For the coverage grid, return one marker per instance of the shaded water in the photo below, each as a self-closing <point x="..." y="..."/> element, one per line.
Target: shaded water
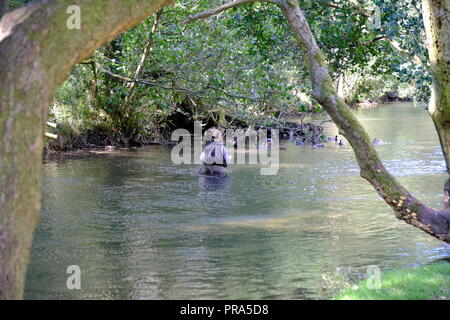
<point x="141" y="228"/>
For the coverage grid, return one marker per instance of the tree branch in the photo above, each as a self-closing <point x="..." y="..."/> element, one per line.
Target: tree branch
<point x="220" y="9"/>
<point x="197" y="94"/>
<point x="145" y="82"/>
<point x="147" y="49"/>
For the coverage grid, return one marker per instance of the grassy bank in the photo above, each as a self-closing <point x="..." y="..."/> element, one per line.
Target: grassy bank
<point x="428" y="282"/>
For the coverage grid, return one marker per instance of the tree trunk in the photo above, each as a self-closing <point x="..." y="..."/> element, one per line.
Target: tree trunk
<point x="37" y="51"/>
<point x="436" y="15"/>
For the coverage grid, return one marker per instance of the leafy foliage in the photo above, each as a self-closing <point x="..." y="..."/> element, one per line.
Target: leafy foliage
<point x="243" y="64"/>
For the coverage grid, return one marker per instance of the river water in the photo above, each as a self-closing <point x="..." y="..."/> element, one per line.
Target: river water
<point x="140" y="227"/>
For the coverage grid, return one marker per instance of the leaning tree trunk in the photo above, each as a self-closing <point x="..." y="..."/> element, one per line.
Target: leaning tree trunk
<point x="406" y="206"/>
<point x="37" y="51"/>
<point x="436" y="15"/>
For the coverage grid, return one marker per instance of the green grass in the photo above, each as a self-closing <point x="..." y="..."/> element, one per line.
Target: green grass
<point x="428" y="282"/>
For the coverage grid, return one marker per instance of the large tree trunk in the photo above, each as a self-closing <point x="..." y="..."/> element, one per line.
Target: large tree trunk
<point x="436" y="15"/>
<point x="37" y="51"/>
<point x="406" y="206"/>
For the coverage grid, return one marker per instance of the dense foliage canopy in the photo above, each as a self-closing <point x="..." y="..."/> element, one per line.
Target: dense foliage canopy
<point x="243" y="66"/>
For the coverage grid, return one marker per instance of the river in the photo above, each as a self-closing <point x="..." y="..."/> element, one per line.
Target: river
<point x="140" y="227"/>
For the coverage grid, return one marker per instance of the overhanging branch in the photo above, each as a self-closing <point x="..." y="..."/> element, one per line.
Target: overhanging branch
<point x="220" y="9"/>
<point x="197" y="94"/>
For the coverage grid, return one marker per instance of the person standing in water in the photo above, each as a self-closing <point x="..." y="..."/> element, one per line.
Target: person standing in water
<point x="215" y="155"/>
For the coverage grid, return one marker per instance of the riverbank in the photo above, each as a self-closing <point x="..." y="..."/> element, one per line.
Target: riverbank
<point x="65" y="139"/>
<point x="388" y="97"/>
<point x="430" y="282"/>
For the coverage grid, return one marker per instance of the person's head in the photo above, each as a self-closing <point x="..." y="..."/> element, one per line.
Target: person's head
<point x="216" y="135"/>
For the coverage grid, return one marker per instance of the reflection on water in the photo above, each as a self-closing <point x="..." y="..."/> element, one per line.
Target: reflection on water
<point x="141" y="228"/>
<point x="214" y="183"/>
